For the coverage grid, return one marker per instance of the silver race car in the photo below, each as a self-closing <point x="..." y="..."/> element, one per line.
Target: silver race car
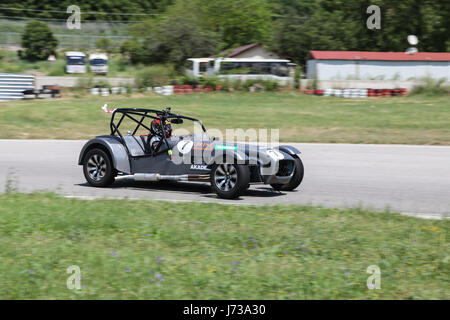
<point x="161" y="155"/>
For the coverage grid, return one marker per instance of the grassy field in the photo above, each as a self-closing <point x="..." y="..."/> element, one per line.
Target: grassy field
<point x="302" y="118"/>
<point x="10" y="63"/>
<point x="159" y="250"/>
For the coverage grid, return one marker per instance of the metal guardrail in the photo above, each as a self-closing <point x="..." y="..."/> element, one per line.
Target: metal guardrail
<point x="12" y="85"/>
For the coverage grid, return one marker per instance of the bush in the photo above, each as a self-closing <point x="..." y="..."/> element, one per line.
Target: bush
<point x="105" y="44"/>
<point x="186" y="79"/>
<point x="270" y="85"/>
<point x="132" y="50"/>
<point x="210" y="82"/>
<point x="236" y="84"/>
<point x="154" y="76"/>
<point x="38" y="41"/>
<point x="297" y="76"/>
<point x="431" y="87"/>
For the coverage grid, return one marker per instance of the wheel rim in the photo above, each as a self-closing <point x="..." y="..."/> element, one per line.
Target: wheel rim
<point x="96" y="167"/>
<point x="225" y="177"/>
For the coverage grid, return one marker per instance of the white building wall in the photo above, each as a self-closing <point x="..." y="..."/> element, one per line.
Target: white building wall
<point x="311" y="69"/>
<point x="377" y="70"/>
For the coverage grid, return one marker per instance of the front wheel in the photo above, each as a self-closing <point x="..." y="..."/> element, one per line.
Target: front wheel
<point x="97" y="168"/>
<point x="295" y="180"/>
<point x="229" y="180"/>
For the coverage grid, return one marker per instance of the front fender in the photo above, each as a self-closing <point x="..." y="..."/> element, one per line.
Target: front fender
<point x="290" y="150"/>
<point x="116" y="150"/>
<point x="228" y="156"/>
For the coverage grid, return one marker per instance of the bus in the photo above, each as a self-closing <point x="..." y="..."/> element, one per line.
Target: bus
<point x="241" y="68"/>
<point x="98" y="63"/>
<point x="75" y="62"/>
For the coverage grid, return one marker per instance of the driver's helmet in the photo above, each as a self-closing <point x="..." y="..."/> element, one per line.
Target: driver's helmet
<point x="156" y="129"/>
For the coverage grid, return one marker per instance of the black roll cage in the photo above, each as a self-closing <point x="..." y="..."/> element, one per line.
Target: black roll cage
<point x="144" y="114"/>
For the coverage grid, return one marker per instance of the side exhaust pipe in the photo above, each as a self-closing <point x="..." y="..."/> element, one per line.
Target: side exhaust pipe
<point x="182" y="177"/>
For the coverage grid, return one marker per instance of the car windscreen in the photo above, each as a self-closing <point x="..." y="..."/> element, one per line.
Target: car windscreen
<point x="98" y="62"/>
<point x="75" y="60"/>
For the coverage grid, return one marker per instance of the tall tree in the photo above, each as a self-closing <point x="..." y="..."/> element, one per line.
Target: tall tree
<point x="38" y="41"/>
<point x="175" y="36"/>
<point x="238" y="22"/>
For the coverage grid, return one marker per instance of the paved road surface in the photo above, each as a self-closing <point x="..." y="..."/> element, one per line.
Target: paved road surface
<point x="408" y="179"/>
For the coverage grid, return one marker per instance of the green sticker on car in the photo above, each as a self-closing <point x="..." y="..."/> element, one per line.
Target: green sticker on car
<point x="222" y="147"/>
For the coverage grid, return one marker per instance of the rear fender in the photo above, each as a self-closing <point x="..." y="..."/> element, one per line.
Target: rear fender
<point x="117" y="151"/>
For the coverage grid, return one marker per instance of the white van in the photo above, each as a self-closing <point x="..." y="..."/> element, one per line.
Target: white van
<point x="75" y="62"/>
<point x="98" y="63"/>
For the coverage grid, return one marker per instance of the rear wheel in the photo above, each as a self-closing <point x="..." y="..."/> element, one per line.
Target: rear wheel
<point x="229" y="180"/>
<point x="98" y="169"/>
<point x="295" y="180"/>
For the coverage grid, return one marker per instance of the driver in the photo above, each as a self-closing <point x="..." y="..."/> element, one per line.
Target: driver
<point x="157" y="133"/>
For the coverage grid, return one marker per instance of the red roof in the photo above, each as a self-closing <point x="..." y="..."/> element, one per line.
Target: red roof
<point x="390" y="56"/>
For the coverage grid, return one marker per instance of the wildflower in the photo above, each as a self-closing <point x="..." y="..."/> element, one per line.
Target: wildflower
<point x="148" y="235"/>
<point x="127" y="270"/>
<point x="114" y="253"/>
<point x="244" y="244"/>
<point x="346" y="273"/>
<point x="84" y="287"/>
<point x="31" y="271"/>
<point x="158" y="259"/>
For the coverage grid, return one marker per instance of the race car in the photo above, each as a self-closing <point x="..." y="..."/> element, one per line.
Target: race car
<point x="159" y="154"/>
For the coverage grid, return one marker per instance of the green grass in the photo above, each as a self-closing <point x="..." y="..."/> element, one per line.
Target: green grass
<point x="212" y="251"/>
<point x="302" y="118"/>
<point x="10" y="63"/>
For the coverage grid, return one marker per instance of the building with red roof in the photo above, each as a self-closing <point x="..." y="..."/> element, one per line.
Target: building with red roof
<point x="366" y="65"/>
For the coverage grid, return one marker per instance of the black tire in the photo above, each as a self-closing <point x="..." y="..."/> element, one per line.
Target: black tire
<point x="229" y="180"/>
<point x="295" y="180"/>
<point x="98" y="169"/>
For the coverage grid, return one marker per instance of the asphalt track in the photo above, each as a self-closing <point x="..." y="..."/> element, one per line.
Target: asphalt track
<point x="413" y="180"/>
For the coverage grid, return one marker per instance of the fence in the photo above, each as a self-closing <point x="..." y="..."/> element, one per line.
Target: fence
<point x="12" y="85"/>
<point x="85" y="38"/>
<point x="73" y="41"/>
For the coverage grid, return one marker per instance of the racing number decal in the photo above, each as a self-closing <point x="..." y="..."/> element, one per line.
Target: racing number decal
<point x="184" y="146"/>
